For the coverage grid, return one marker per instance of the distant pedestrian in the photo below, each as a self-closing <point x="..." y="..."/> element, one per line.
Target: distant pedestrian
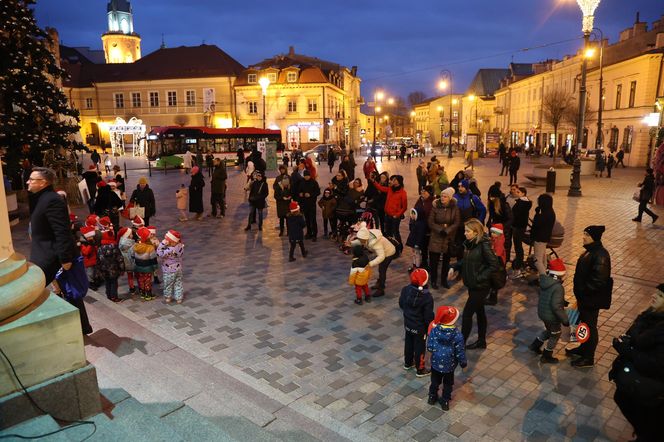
<point x="218" y="189"/>
<point x="360" y="272"/>
<point x="126" y="245"/>
<point x="620" y="156"/>
<point x="328" y="205"/>
<point x="551" y="310"/>
<point x="283" y="195"/>
<point x="95" y="158"/>
<point x="295" y="224"/>
<point x="144" y="197"/>
<point x="385" y="252"/>
<point x="497" y="238"/>
<point x="416" y="303"/>
<point x="308" y="191"/>
<point x="195" y="193"/>
<point x="514" y="165"/>
<point x="447" y="347"/>
<point x="258" y="192"/>
<point x="645" y="195"/>
<point x="209" y="162"/>
<point x="600" y="163"/>
<point x="521" y="213"/>
<point x="610" y="162"/>
<point x="181" y="198"/>
<point x="187" y="160"/>
<point x="331" y="158"/>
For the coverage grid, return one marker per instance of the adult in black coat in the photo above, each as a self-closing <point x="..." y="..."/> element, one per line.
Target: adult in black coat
<point x="592" y="288"/>
<point x="144" y="197"/>
<point x="52" y="243"/>
<point x="645" y="195"/>
<point x="540" y="232"/>
<point x="91" y="177"/>
<point x="296" y="179"/>
<point x="196" y="192"/>
<point x="347" y="167"/>
<point x="218" y="188"/>
<point x="331" y="158"/>
<point x="641" y="358"/>
<point x="514" y="165"/>
<point x="108" y="203"/>
<point x="258" y="191"/>
<point x="307" y="193"/>
<point x="520" y="212"/>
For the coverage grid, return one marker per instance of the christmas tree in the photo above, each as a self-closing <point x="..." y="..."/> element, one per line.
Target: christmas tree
<point x="34" y="113"/>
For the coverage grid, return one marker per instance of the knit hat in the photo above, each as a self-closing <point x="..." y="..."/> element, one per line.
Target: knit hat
<point x="465" y="183"/>
<point x="595" y="232"/>
<point x="107" y="237"/>
<point x="513" y="153"/>
<point x="419" y="278"/>
<point x="446" y="315"/>
<point x="91" y="220"/>
<point x="125" y="232"/>
<point x="494" y="192"/>
<point x="142" y="180"/>
<point x="152" y="229"/>
<point x="143" y="233"/>
<point x="497" y="229"/>
<point x="101" y="183"/>
<point x="294" y="206"/>
<point x="194" y="170"/>
<point x="449" y="192"/>
<point x="105" y="222"/>
<point x="137" y="222"/>
<point x="556" y="267"/>
<point x="363" y="233"/>
<point x="173" y="235"/>
<point x="88" y="232"/>
<point x="92" y="167"/>
<point x="428" y="188"/>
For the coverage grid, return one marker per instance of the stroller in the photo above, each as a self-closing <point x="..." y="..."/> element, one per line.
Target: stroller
<point x="366" y="219"/>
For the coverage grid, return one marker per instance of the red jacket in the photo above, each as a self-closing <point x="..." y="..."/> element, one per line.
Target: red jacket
<point x="369" y="166"/>
<point x="498" y="246"/>
<point x="89" y="253"/>
<point x="396" y="203"/>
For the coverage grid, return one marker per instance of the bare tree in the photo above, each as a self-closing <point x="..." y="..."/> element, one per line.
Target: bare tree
<point x="571" y="115"/>
<point x="181" y="120"/>
<point x="554" y="108"/>
<point x="416" y="97"/>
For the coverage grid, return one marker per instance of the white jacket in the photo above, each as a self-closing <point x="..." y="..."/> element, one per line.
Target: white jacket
<point x="380" y="245"/>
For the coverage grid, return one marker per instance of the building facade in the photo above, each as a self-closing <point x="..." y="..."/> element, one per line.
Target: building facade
<point x="632" y="80"/>
<point x="311" y="101"/>
<point x="431" y="119"/>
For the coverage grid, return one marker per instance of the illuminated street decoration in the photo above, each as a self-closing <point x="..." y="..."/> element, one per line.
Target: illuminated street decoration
<point x="135" y="128"/>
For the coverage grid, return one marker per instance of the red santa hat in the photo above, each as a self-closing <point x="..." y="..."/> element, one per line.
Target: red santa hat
<point x="556" y="267"/>
<point x="72" y="218"/>
<point x="419" y="278"/>
<point x="105" y="223"/>
<point x="173" y="235"/>
<point x="446" y="315"/>
<point x="92" y="167"/>
<point x="152" y="229"/>
<point x="497" y="229"/>
<point x="143" y="233"/>
<point x="294" y="206"/>
<point x="91" y="220"/>
<point x="125" y="232"/>
<point x="137" y="222"/>
<point x="101" y="183"/>
<point x="88" y="232"/>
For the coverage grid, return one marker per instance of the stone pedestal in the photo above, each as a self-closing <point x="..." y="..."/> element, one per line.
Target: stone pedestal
<point x="45" y="346"/>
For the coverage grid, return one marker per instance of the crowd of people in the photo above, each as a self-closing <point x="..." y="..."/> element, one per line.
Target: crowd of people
<point x="453" y="234"/>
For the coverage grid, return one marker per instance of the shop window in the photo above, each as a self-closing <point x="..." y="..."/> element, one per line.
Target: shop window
<point x="313" y="134"/>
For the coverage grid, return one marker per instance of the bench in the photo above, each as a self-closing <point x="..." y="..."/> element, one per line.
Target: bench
<point x="537" y="180"/>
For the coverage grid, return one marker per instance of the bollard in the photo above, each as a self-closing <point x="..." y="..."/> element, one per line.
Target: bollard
<point x="551" y="181"/>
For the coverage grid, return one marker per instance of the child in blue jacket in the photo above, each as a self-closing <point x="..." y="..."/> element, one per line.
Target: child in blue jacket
<point x="448" y="350"/>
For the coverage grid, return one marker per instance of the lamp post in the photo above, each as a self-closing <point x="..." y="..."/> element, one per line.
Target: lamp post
<point x="599" y="142"/>
<point x="588" y="9"/>
<point x="264" y="82"/>
<point x="441" y="115"/>
<point x="378" y="96"/>
<point x="446" y="80"/>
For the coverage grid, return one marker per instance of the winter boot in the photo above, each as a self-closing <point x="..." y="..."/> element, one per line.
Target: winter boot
<point x="547" y="357"/>
<point x="432" y="400"/>
<point x="445" y="405"/>
<point x="536" y="346"/>
<point x="378" y="293"/>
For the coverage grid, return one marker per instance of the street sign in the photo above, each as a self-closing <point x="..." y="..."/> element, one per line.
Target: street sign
<point x="582" y="332"/>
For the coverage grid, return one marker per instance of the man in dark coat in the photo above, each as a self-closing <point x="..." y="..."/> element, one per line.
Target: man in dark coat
<point x="91" y="177"/>
<point x="308" y="191"/>
<point x="259" y="162"/>
<point x="95" y="158"/>
<point x="218" y="189"/>
<point x="592" y="288"/>
<point x="144" y="197"/>
<point x="645" y="195"/>
<point x="52" y="244"/>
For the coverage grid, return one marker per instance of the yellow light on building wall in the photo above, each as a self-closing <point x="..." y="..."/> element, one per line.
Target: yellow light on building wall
<point x="440" y="108"/>
<point x="455" y="101"/>
<point x="223" y="123"/>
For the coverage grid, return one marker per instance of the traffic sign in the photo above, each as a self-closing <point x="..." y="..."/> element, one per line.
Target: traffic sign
<point x="582" y="332"/>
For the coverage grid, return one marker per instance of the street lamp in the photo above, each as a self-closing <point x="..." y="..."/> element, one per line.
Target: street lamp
<point x="588" y="8"/>
<point x="378" y="96"/>
<point x="599" y="142"/>
<point x="445" y="81"/>
<point x="264" y="82"/>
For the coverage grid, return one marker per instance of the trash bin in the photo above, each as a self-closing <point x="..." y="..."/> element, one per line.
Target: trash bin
<point x="551" y="181"/>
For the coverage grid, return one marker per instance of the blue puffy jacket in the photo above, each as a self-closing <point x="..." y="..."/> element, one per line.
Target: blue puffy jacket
<point x="447" y="348"/>
<point x="470" y="206"/>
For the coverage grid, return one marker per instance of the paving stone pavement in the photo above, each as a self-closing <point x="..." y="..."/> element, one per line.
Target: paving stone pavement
<point x="292" y="331"/>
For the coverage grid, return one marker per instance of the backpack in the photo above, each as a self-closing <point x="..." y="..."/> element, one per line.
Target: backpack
<point x="498" y="276"/>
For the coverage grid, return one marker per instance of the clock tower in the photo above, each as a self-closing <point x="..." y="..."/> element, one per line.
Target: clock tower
<point x="121" y="43"/>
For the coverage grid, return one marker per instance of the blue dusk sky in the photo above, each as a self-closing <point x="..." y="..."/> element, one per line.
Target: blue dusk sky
<point x="399" y="46"/>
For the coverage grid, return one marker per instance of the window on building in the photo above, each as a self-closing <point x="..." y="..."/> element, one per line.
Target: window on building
<point x="618" y="95"/>
<point x="252" y="78"/>
<point x="88" y="103"/>
<point x="632" y="93"/>
<point x="119" y="100"/>
<point x="272" y="76"/>
<point x="313" y="134"/>
<point x="313" y="105"/>
<point x="291" y="77"/>
<point x="190" y="98"/>
<point x="154" y="99"/>
<point x="292" y="106"/>
<point x="172" y="97"/>
<point x="252" y="107"/>
<point x="135" y="99"/>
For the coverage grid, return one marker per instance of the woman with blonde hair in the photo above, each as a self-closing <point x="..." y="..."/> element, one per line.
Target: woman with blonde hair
<point x="479" y="261"/>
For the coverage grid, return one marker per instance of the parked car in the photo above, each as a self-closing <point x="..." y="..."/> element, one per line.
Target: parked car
<point x="320" y="151"/>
